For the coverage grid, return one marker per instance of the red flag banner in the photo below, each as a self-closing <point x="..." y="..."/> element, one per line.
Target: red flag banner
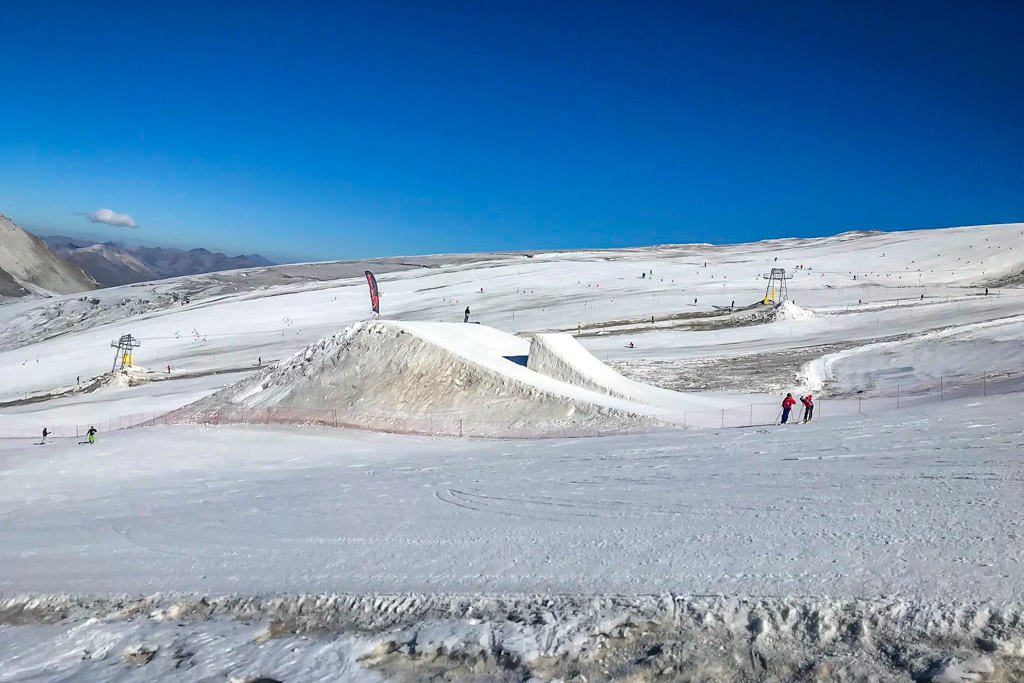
<point x="374" y="294"/>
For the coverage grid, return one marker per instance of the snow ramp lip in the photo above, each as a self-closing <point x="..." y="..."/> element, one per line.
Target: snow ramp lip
<point x="562" y="357"/>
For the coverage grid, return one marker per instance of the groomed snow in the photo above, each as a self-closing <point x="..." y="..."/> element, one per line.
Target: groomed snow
<point x="922" y="502"/>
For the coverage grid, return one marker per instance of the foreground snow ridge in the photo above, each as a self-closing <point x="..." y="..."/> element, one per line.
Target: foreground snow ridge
<point x="458" y="379"/>
<point x="412" y="637"/>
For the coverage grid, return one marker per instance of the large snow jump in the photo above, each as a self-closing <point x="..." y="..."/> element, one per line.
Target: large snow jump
<point x="442" y="378"/>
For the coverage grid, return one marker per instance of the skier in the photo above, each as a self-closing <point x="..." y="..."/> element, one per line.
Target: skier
<point x="92" y="434"/>
<point x="45" y="434"/>
<point x="466" y="318"/>
<point x="733" y="304"/>
<point x="259" y="361"/>
<point x="630" y="344"/>
<point x="787" y="405"/>
<point x="643" y="276"/>
<point x="808" y="407"/>
<point x="168" y="369"/>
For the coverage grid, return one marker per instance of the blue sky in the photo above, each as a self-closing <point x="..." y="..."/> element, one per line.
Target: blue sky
<point x="336" y="130"/>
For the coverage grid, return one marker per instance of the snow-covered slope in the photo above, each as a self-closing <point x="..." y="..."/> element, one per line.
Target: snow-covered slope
<point x="28" y="266"/>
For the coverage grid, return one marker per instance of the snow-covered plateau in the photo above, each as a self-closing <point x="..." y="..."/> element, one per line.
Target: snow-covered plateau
<point x="591" y="484"/>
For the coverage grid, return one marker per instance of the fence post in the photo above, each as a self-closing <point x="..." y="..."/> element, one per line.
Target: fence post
<point x="723" y="418"/>
<point x="460" y="428"/>
<point x="941" y="397"/>
<point x="984" y="384"/>
<point x="750" y="422"/>
<point x="860" y="399"/>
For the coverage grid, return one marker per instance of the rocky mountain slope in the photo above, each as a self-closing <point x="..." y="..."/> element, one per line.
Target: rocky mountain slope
<point x="113" y="263"/>
<point x="29" y="267"/>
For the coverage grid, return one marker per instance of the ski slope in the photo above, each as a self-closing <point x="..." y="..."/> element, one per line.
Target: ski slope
<point x="806" y="533"/>
<point x="316" y="553"/>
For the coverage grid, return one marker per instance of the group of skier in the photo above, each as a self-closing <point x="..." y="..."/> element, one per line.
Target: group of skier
<point x="788" y="403"/>
<point x="91" y="434"/>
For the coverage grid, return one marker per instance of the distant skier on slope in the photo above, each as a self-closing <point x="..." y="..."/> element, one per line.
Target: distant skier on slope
<point x="631" y="345"/>
<point x="45" y="434"/>
<point x="808" y="407"/>
<point x="787" y="405"/>
<point x="465" y="319"/>
<point x="91" y="434"/>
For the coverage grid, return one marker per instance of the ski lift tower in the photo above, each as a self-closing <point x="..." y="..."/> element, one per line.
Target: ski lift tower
<point x="124" y="347"/>
<point x="776" y="292"/>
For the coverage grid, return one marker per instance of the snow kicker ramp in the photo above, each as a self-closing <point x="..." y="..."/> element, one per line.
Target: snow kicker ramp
<point x="561" y="357"/>
<point x="431" y="378"/>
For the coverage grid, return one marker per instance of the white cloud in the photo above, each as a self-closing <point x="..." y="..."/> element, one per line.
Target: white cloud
<point x="113" y="218"/>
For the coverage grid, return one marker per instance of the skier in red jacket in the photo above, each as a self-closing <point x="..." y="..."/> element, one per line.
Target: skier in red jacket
<point x="787" y="405"/>
<point x="808" y="407"/>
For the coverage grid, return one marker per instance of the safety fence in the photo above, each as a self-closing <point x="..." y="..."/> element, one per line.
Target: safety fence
<point x="425" y="424"/>
<point x="876" y="402"/>
<point x="78" y="431"/>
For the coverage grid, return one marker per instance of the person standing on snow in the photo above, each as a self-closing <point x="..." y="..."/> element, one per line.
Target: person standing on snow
<point x="91" y="434"/>
<point x="787" y="405"/>
<point x="466" y="318"/>
<point x="45" y="434"/>
<point x="808" y="407"/>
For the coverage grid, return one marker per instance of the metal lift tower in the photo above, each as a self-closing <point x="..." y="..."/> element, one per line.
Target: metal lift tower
<point x="124" y="347"/>
<point x="776" y="292"/>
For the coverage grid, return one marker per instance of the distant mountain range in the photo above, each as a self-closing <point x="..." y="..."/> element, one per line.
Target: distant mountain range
<point x="114" y="263"/>
<point x="30" y="268"/>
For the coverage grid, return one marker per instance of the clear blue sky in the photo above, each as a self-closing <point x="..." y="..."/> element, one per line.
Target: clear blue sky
<point x="305" y="131"/>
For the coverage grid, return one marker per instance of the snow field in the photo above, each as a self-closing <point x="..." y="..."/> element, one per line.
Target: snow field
<point x="956" y="354"/>
<point x="921" y="503"/>
<point x="551" y="291"/>
<point x="882" y="546"/>
<point x="828" y="546"/>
